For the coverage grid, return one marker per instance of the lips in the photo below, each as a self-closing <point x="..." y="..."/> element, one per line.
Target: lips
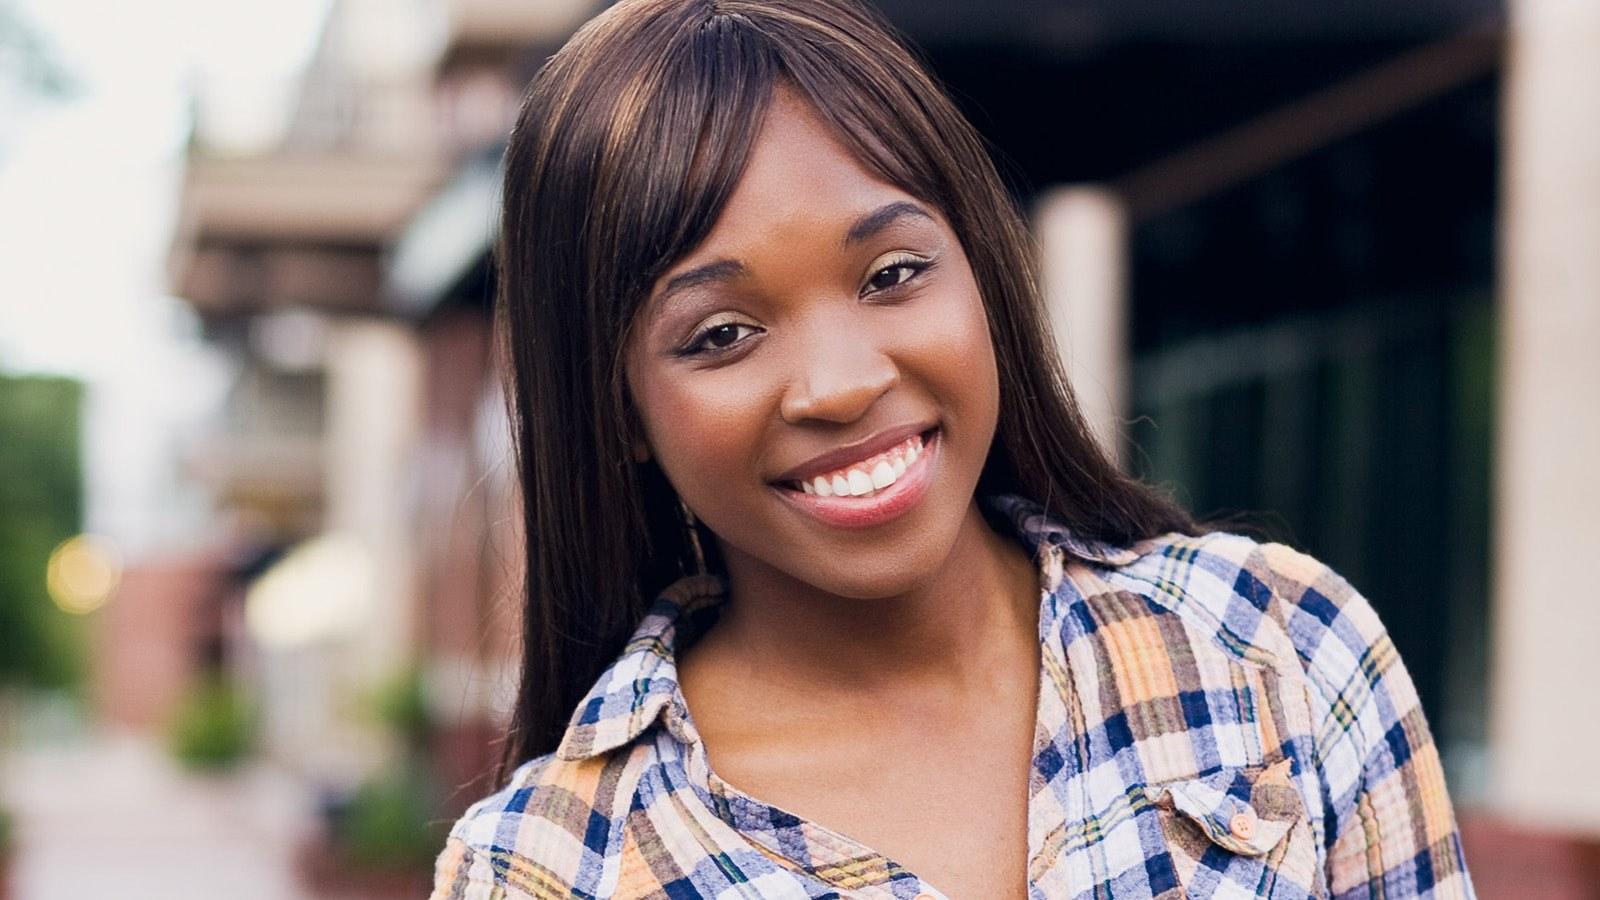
<point x="878" y="488"/>
<point x="856" y="452"/>
<point x="864" y="477"/>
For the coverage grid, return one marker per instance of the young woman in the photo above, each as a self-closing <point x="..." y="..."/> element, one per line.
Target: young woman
<point x="829" y="590"/>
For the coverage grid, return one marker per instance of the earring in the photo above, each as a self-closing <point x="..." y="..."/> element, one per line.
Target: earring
<point x="694" y="537"/>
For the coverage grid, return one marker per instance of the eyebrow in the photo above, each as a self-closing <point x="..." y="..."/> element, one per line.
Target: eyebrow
<point x="881" y="218"/>
<point x="862" y="228"/>
<point x="720" y="270"/>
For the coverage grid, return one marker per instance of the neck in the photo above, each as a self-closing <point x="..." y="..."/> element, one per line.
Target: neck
<point x="980" y="606"/>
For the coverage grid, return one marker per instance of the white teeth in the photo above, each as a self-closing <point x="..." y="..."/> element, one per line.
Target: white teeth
<point x="859" y="482"/>
<point x="882" y="475"/>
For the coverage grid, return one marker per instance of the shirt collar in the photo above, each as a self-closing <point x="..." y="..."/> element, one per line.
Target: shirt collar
<point x="1040" y="532"/>
<point x="631" y="694"/>
<point x="642" y="683"/>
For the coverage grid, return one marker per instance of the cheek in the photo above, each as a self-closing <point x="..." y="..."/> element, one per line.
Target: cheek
<point x="703" y="430"/>
<point x="950" y="349"/>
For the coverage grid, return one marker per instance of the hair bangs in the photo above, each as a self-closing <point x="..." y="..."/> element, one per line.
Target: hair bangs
<point x="681" y="144"/>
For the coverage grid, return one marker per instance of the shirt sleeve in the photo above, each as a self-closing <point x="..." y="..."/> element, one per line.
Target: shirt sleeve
<point x="1390" y="831"/>
<point x="462" y="873"/>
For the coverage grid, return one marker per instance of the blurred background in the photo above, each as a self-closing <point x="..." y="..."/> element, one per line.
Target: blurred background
<point x="1327" y="271"/>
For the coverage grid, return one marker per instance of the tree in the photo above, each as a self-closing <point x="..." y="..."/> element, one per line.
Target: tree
<point x="41" y="505"/>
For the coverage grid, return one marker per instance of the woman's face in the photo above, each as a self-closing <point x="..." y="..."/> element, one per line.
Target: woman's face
<point x="816" y="379"/>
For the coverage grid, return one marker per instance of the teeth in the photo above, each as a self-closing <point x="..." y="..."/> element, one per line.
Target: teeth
<point x="859" y="482"/>
<point x="882" y="475"/>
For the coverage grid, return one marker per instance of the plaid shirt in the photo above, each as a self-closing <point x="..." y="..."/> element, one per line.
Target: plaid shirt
<point x="1218" y="718"/>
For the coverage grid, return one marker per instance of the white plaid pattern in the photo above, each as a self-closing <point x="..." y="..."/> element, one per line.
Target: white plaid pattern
<point x="1220" y="718"/>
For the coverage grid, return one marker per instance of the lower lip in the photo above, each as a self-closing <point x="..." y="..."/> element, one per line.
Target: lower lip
<point x="883" y="506"/>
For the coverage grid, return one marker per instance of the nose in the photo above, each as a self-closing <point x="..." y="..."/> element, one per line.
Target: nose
<point x="838" y="378"/>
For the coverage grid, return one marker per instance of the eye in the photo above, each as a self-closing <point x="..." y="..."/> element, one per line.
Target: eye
<point x="898" y="271"/>
<point x="718" y="337"/>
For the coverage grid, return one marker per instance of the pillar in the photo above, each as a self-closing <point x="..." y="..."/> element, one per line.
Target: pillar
<point x="1545" y="719"/>
<point x="1082" y="233"/>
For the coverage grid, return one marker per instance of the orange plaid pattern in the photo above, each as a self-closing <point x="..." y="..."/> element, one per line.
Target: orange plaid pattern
<point x="1222" y="718"/>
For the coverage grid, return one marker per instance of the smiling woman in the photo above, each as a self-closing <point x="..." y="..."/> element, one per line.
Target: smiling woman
<point x="829" y="591"/>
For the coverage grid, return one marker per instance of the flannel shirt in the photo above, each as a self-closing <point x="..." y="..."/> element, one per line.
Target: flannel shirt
<point x="1217" y="717"/>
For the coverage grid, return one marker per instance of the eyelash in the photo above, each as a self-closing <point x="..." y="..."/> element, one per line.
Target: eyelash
<point x="697" y="345"/>
<point x="916" y="264"/>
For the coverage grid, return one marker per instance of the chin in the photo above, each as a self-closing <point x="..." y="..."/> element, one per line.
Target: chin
<point x="892" y="579"/>
<point x="879" y="569"/>
<point x="905" y="552"/>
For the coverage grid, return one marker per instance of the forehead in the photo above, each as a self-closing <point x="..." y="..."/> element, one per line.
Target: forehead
<point x="799" y="175"/>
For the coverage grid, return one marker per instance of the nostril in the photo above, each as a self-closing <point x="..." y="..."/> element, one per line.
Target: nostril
<point x="838" y="388"/>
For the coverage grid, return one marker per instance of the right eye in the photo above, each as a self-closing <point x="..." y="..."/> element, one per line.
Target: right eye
<point x="718" y="337"/>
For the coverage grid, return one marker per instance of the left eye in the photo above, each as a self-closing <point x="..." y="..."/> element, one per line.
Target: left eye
<point x="895" y="274"/>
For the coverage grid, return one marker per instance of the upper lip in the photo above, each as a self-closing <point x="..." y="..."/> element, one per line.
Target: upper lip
<point x="839" y="457"/>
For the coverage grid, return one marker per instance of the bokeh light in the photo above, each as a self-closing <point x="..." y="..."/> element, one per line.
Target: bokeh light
<point x="83" y="573"/>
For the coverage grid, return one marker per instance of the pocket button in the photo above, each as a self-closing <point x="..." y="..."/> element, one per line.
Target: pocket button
<point x="1243" y="824"/>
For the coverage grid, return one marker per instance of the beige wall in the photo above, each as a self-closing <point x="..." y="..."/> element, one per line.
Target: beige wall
<point x="317" y="686"/>
<point x="1545" y="726"/>
<point x="373" y="433"/>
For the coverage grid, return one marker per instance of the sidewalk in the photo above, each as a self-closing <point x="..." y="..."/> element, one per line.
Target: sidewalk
<point x="115" y="817"/>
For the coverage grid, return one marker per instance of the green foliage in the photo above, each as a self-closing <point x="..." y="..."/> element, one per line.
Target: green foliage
<point x="5" y="833"/>
<point x="214" y="727"/>
<point x="402" y="705"/>
<point x="389" y="822"/>
<point x="41" y="505"/>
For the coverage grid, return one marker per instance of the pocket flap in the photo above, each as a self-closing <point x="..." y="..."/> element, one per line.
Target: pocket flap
<point x="1247" y="810"/>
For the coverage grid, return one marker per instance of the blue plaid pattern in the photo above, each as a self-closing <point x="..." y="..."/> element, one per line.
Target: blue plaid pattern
<point x="1227" y="719"/>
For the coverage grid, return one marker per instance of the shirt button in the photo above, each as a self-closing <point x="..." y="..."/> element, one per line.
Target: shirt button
<point x="1242" y="825"/>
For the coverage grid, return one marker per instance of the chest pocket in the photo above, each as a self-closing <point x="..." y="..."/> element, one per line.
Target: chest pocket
<point x="1240" y="832"/>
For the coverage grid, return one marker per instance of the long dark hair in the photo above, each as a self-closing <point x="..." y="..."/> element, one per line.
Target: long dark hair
<point x="630" y="142"/>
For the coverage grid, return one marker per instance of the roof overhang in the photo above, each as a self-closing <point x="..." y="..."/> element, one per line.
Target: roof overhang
<point x="292" y="229"/>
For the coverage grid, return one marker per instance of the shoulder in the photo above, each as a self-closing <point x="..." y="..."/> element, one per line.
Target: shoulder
<point x="1259" y="599"/>
<point x="533" y="836"/>
<point x="1264" y="603"/>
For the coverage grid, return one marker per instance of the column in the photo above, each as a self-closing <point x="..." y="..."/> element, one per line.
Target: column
<point x="1545" y="720"/>
<point x="1082" y="233"/>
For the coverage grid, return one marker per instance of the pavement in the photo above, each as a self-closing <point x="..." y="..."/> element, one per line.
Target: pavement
<point x="114" y="816"/>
